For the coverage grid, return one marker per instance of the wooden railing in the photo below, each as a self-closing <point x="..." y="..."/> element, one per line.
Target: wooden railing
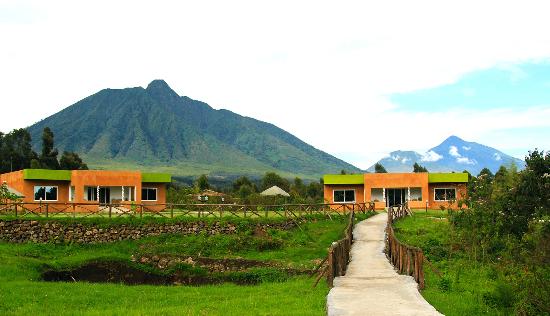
<point x="336" y="262"/>
<point x="406" y="259"/>
<point x="171" y="210"/>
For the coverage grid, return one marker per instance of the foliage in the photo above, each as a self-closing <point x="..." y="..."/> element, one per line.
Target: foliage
<point x="71" y="161"/>
<point x="378" y="168"/>
<point x="507" y="222"/>
<point x="48" y="157"/>
<point x="419" y="168"/>
<point x="271" y="178"/>
<point x="202" y="183"/>
<point x="6" y="195"/>
<point x="16" y="151"/>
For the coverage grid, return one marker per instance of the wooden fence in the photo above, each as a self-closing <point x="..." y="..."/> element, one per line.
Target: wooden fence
<point x="336" y="262"/>
<point x="170" y="210"/>
<point x="406" y="259"/>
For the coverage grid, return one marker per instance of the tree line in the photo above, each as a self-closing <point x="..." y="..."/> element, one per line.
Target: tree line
<point x="507" y="226"/>
<point x="245" y="190"/>
<point x="16" y="153"/>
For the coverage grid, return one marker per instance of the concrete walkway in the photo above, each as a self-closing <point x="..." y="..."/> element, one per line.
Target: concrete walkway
<point x="371" y="286"/>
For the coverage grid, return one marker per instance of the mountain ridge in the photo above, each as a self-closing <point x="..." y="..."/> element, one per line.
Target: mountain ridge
<point x="453" y="154"/>
<point x="155" y="128"/>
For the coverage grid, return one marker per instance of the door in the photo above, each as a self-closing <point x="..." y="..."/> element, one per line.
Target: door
<point x="395" y="197"/>
<point x="104" y="195"/>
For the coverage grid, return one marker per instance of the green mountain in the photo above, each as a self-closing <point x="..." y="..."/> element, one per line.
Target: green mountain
<point x="156" y="129"/>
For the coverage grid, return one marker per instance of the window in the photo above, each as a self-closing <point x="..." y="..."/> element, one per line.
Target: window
<point x="444" y="194"/>
<point x="148" y="194"/>
<point x="91" y="194"/>
<point x="344" y="196"/>
<point x="45" y="193"/>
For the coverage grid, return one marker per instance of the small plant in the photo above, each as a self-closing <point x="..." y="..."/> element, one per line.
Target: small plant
<point x="444" y="284"/>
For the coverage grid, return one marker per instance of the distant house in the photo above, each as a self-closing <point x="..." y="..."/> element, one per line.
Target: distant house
<point x="387" y="189"/>
<point x="88" y="186"/>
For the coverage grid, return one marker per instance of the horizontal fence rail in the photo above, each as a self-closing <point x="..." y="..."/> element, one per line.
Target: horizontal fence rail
<point x="406" y="259"/>
<point x="172" y="210"/>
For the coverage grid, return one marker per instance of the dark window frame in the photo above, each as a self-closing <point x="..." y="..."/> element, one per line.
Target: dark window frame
<point x="145" y="194"/>
<point x="45" y="193"/>
<point x="345" y="200"/>
<point x="445" y="194"/>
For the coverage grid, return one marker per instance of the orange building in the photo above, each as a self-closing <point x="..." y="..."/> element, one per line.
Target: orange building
<point x="87" y="186"/>
<point x="387" y="189"/>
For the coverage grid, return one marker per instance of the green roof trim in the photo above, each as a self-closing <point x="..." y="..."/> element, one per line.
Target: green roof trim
<point x="447" y="177"/>
<point x="344" y="179"/>
<point x="46" y="174"/>
<point x="156" y="177"/>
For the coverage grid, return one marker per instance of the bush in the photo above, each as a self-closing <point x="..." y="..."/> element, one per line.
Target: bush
<point x="444" y="284"/>
<point x="503" y="296"/>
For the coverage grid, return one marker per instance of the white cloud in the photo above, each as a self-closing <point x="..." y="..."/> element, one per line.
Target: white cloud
<point x="453" y="151"/>
<point x="465" y="160"/>
<point x="404" y="160"/>
<point x="294" y="74"/>
<point x="497" y="157"/>
<point x="431" y="156"/>
<point x="466" y="148"/>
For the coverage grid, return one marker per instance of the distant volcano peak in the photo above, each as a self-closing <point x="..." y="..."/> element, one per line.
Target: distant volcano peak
<point x="160" y="90"/>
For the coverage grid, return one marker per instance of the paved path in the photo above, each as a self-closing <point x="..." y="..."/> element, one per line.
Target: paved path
<point x="371" y="286"/>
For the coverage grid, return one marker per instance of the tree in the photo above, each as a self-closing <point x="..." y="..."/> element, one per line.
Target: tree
<point x="342" y="171"/>
<point x="237" y="184"/>
<point x="298" y="187"/>
<point x="245" y="190"/>
<point x="202" y="183"/>
<point x="48" y="157"/>
<point x="6" y="195"/>
<point x="71" y="161"/>
<point x="16" y="150"/>
<point x="271" y="178"/>
<point x="378" y="168"/>
<point x="419" y="168"/>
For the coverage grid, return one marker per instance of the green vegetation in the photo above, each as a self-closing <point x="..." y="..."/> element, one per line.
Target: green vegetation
<point x="152" y="128"/>
<point x="246" y="191"/>
<point x="378" y="168"/>
<point x="419" y="168"/>
<point x="22" y="264"/>
<point x="16" y="153"/>
<point x="495" y="255"/>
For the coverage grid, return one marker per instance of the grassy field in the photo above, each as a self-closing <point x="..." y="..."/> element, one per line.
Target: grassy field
<point x="464" y="285"/>
<point x="22" y="292"/>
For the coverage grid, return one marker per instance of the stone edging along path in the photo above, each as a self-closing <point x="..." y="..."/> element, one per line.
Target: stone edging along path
<point x="371" y="286"/>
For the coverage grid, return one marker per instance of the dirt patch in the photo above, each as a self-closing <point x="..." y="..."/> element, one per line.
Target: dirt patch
<point x="201" y="271"/>
<point x="110" y="271"/>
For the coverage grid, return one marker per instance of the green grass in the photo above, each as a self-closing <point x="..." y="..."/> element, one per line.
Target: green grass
<point x="22" y="292"/>
<point x="293" y="297"/>
<point x="464" y="282"/>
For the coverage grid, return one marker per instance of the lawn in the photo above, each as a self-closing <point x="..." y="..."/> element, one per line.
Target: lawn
<point x="464" y="284"/>
<point x="22" y="292"/>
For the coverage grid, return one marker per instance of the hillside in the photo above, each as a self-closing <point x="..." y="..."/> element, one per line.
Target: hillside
<point x="453" y="154"/>
<point x="156" y="129"/>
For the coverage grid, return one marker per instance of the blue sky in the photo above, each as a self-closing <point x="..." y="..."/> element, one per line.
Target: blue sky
<point x="510" y="86"/>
